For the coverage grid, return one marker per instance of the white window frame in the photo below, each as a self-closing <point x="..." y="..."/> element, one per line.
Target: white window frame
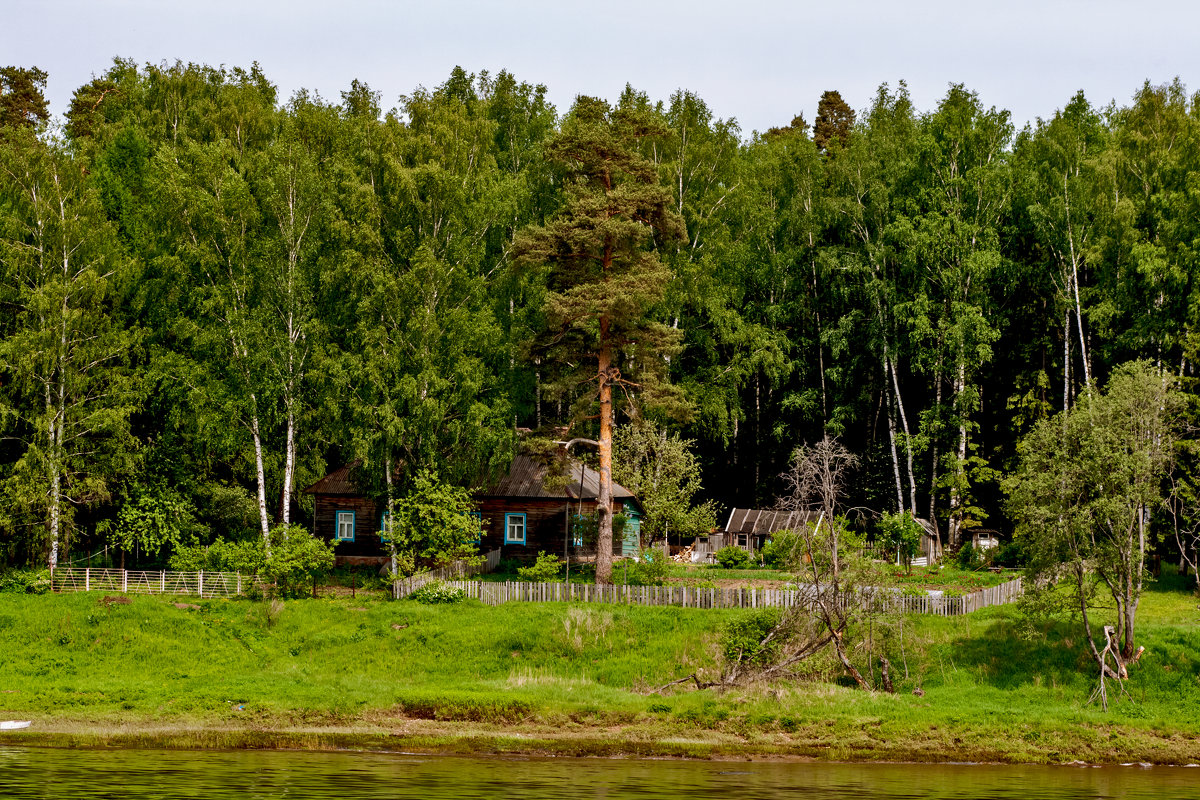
<point x="508" y="526"/>
<point x="339" y="518"/>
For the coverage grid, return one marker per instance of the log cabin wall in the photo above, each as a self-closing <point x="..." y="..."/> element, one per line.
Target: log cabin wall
<point x="366" y="545"/>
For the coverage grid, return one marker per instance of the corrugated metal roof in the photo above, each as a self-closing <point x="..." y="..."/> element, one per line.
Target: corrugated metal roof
<point x="765" y="520"/>
<point x="337" y="482"/>
<point x="527" y="478"/>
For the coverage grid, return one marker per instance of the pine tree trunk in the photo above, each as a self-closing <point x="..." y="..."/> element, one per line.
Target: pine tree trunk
<point x="604" y="543"/>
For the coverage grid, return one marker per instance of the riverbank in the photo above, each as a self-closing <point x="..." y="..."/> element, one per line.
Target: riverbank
<point x="549" y="679"/>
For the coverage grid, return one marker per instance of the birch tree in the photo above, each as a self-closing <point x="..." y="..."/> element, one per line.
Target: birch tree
<point x="64" y="396"/>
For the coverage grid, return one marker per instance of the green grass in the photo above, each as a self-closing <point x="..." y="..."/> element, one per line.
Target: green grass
<point x="574" y="678"/>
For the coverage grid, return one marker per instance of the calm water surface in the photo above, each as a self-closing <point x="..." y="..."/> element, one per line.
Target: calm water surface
<point x="94" y="774"/>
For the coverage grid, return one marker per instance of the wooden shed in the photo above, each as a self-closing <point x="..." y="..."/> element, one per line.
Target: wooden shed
<point x="518" y="514"/>
<point x="749" y="529"/>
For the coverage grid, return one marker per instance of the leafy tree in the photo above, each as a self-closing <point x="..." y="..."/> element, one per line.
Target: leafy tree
<point x="903" y="533"/>
<point x="1088" y="481"/>
<point x="432" y="524"/>
<point x="64" y="393"/>
<point x="603" y="276"/>
<point x="22" y="99"/>
<point x="296" y="559"/>
<point x="154" y="519"/>
<point x="664" y="473"/>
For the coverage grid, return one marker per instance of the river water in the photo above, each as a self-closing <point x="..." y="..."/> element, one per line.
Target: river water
<point x="249" y="775"/>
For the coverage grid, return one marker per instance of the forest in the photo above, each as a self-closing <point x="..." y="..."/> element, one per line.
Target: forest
<point x="211" y="295"/>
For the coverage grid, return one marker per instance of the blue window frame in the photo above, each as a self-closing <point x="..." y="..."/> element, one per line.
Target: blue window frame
<point x="384" y="518"/>
<point x="514" y="529"/>
<point x="478" y="517"/>
<point x="343" y="529"/>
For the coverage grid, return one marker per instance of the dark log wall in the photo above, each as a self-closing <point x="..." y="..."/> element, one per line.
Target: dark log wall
<point x="545" y="524"/>
<point x="366" y="524"/>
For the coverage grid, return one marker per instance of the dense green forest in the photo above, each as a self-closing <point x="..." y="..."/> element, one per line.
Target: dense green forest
<point x="211" y="295"/>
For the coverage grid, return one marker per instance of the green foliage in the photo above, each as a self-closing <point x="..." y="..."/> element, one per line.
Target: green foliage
<point x="743" y="639"/>
<point x="437" y="592"/>
<point x="296" y="560"/>
<point x="545" y="569"/>
<point x="968" y="557"/>
<point x="433" y="523"/>
<point x="25" y="581"/>
<point x="902" y="533"/>
<point x="664" y="473"/>
<point x="783" y="550"/>
<point x="650" y="568"/>
<point x="732" y="557"/>
<point x="155" y="519"/>
<point x="247" y="557"/>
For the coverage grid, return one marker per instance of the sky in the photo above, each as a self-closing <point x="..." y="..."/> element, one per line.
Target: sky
<point x="758" y="62"/>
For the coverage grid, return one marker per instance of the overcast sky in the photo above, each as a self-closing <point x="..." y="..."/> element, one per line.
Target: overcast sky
<point x="760" y="62"/>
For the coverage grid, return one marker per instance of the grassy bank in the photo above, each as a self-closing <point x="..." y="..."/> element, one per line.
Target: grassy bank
<point x="551" y="678"/>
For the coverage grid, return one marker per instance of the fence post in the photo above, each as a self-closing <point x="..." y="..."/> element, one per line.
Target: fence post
<point x="200" y="576"/>
<point x="87" y="579"/>
<point x="124" y="582"/>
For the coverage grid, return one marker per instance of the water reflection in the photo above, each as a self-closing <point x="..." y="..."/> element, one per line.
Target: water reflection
<point x="101" y="774"/>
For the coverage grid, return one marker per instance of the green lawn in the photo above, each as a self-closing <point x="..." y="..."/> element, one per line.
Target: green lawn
<point x="996" y="686"/>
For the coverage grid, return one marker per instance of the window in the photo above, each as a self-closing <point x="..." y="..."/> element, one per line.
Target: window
<point x="385" y="520"/>
<point x="478" y="517"/>
<point x="345" y="526"/>
<point x="514" y="529"/>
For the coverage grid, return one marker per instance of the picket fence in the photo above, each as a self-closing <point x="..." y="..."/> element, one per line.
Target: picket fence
<point x="689" y="597"/>
<point x="457" y="570"/>
<point x="201" y="584"/>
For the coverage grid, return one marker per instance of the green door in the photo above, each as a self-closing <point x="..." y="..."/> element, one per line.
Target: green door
<point x="631" y="541"/>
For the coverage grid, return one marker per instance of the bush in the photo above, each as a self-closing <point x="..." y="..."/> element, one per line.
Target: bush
<point x="968" y="557"/>
<point x="741" y="638"/>
<point x="544" y="570"/>
<point x="28" y="581"/>
<point x="731" y="557"/>
<point x="650" y="568"/>
<point x="297" y="558"/>
<point x="436" y="592"/>
<point x="782" y="550"/>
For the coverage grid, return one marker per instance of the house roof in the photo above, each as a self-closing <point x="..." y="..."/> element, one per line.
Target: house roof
<point x="337" y="482"/>
<point x="527" y="478"/>
<point x="765" y="520"/>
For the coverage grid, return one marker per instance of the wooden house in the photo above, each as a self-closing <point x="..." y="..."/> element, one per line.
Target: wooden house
<point x="518" y="514"/>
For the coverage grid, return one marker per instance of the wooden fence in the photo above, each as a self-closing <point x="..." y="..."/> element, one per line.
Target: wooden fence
<point x="688" y="597"/>
<point x="202" y="584"/>
<point x="457" y="570"/>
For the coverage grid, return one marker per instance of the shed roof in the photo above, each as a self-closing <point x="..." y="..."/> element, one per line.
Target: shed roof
<point x="765" y="520"/>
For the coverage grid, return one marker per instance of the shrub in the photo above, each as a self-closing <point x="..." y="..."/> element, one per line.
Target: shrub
<point x="741" y="638"/>
<point x="650" y="568"/>
<point x="782" y="550"/>
<point x="297" y="558"/>
<point x="968" y="557"/>
<point x="731" y="557"/>
<point x="544" y="570"/>
<point x="24" y="581"/>
<point x="436" y="592"/>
